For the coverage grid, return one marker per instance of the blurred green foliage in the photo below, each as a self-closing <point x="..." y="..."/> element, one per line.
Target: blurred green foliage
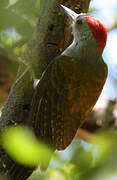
<point x="84" y="161"/>
<point x="24" y="148"/>
<point x="17" y="22"/>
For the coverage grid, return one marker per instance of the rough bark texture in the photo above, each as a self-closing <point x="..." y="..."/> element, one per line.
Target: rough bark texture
<point x="50" y="38"/>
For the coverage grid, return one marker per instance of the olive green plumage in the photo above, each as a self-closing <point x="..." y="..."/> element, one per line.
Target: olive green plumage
<point x="65" y="95"/>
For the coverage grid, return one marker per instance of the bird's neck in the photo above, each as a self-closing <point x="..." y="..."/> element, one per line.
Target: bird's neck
<point x="83" y="50"/>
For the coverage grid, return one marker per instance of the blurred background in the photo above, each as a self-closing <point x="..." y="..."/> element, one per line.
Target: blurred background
<point x="95" y="156"/>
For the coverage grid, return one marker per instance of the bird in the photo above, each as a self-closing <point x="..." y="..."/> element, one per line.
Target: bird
<point x="71" y="84"/>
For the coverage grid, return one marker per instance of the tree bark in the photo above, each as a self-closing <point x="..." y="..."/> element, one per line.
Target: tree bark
<point x="50" y="38"/>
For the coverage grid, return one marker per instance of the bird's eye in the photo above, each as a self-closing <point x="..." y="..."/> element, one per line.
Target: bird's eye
<point x="79" y="22"/>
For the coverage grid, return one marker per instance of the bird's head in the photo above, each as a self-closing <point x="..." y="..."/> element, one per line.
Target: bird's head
<point x="87" y="28"/>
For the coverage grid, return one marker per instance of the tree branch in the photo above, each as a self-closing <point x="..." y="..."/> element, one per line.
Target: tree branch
<point x="87" y="136"/>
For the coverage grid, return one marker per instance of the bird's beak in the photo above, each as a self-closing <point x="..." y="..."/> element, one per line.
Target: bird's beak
<point x="71" y="14"/>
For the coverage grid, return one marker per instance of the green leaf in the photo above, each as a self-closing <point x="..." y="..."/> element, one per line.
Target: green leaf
<point x="23" y="147"/>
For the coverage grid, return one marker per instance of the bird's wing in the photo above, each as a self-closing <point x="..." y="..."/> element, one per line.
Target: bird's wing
<point x="59" y="102"/>
<point x="50" y="116"/>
